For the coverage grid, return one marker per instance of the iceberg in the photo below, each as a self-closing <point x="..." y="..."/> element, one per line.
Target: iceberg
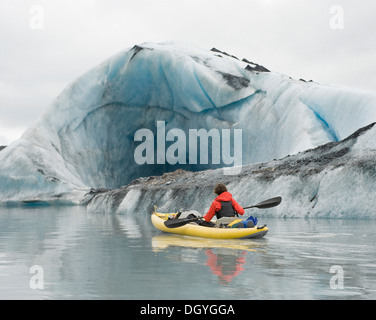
<point x="83" y="147"/>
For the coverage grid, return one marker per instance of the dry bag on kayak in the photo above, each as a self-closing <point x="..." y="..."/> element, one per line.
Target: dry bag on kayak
<point x="249" y="223"/>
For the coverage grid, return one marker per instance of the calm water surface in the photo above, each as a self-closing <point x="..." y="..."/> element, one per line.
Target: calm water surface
<point x="80" y="255"/>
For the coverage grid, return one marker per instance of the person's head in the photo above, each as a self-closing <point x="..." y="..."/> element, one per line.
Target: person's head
<point x="220" y="188"/>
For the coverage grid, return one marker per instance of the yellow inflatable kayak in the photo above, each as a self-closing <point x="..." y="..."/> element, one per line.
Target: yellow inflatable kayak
<point x="195" y="230"/>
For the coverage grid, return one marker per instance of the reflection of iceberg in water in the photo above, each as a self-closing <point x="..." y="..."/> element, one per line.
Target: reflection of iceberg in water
<point x="226" y="264"/>
<point x="225" y="257"/>
<point x="129" y="226"/>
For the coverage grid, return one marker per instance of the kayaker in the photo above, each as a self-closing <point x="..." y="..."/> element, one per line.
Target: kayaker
<point x="222" y="206"/>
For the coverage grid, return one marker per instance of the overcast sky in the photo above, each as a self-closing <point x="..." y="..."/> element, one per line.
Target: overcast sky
<point x="46" y="44"/>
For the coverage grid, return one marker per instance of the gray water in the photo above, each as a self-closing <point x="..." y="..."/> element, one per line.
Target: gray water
<point x="67" y="253"/>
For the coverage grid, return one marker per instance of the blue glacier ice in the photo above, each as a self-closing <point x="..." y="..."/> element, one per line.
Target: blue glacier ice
<point x="85" y="139"/>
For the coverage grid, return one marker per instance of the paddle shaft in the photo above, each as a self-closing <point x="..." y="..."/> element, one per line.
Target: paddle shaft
<point x="176" y="223"/>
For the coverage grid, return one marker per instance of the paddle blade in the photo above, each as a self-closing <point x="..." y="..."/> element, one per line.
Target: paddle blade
<point x="175" y="223"/>
<point x="269" y="203"/>
<point x="273" y="202"/>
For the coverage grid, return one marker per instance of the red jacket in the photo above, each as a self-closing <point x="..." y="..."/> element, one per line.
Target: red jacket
<point x="216" y="205"/>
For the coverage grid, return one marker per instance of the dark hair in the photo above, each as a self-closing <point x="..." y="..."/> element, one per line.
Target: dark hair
<point x="220" y="188"/>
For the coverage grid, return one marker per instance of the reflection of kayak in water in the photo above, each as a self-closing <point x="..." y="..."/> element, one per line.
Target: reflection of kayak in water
<point x="164" y="241"/>
<point x="195" y="230"/>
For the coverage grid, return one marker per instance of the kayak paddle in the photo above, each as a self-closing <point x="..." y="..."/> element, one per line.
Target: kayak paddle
<point x="175" y="223"/>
